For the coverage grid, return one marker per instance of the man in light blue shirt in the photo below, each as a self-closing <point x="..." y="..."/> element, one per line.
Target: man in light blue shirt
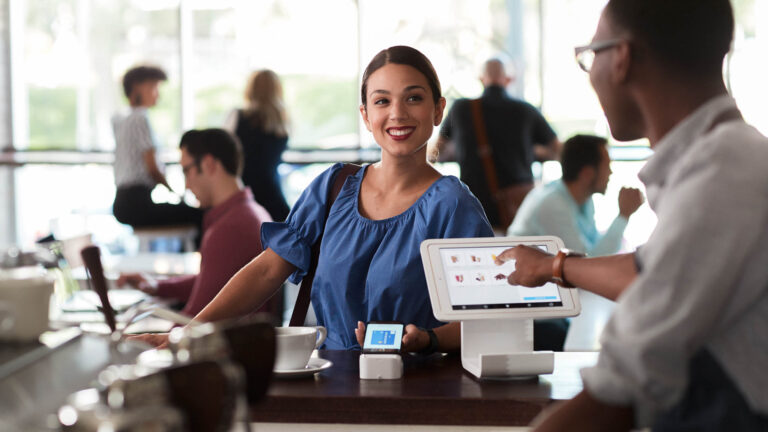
<point x="564" y="207"/>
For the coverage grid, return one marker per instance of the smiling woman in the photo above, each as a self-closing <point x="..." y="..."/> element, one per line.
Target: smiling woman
<point x="369" y="268"/>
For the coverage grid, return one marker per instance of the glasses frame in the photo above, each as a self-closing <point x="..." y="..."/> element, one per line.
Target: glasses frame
<point x="594" y="47"/>
<point x="186" y="168"/>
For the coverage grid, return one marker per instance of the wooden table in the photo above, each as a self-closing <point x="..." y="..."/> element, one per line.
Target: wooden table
<point x="433" y="391"/>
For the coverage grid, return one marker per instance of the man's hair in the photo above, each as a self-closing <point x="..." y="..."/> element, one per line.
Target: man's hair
<point x="140" y="74"/>
<point x="580" y="151"/>
<point x="685" y="35"/>
<point x="218" y="143"/>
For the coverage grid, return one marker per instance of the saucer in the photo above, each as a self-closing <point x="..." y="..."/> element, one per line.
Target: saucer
<point x="314" y="366"/>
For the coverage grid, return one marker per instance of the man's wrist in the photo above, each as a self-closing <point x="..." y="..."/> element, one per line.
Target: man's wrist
<point x="558" y="267"/>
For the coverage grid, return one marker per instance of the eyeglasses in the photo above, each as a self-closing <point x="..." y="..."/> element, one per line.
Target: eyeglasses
<point x="585" y="55"/>
<point x="185" y="168"/>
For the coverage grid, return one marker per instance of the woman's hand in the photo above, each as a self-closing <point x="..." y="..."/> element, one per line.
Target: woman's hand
<point x="533" y="267"/>
<point x="158" y="340"/>
<point x="414" y="339"/>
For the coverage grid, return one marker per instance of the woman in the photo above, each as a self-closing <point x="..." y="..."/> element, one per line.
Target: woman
<point x="137" y="169"/>
<point x="262" y="129"/>
<point x="369" y="268"/>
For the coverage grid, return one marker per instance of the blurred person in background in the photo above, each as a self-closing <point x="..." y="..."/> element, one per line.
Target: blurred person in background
<point x="137" y="167"/>
<point x="262" y="127"/>
<point x="496" y="138"/>
<point x="212" y="160"/>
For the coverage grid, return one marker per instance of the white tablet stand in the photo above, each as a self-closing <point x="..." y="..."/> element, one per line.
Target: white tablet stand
<point x="502" y="348"/>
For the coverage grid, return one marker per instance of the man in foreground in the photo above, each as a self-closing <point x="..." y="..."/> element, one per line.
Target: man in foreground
<point x="686" y="347"/>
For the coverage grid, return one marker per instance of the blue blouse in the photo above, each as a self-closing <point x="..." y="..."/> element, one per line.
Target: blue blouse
<point x="370" y="270"/>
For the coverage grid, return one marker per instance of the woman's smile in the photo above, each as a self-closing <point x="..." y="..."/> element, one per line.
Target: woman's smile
<point x="400" y="133"/>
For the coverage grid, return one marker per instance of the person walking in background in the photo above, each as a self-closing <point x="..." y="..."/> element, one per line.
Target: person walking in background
<point x="262" y="127"/>
<point x="137" y="167"/>
<point x="212" y="160"/>
<point x="496" y="139"/>
<point x="564" y="207"/>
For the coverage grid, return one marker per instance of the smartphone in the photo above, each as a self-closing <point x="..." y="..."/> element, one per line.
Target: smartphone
<point x="383" y="337"/>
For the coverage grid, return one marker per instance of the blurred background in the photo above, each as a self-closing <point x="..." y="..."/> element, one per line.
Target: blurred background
<point x="61" y="62"/>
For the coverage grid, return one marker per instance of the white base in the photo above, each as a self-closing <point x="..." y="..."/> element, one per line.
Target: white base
<point x="381" y="366"/>
<point x="502" y="349"/>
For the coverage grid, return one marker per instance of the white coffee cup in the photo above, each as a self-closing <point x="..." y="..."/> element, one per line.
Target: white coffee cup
<point x="25" y="295"/>
<point x="295" y="346"/>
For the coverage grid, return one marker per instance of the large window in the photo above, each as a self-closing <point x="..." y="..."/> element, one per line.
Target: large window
<point x="70" y="55"/>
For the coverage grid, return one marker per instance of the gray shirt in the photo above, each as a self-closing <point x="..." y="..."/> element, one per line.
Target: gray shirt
<point x="703" y="281"/>
<point x="133" y="138"/>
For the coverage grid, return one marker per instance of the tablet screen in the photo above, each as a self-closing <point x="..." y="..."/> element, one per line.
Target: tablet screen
<point x="475" y="281"/>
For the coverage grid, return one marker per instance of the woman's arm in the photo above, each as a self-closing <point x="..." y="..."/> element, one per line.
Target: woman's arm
<point x="154" y="171"/>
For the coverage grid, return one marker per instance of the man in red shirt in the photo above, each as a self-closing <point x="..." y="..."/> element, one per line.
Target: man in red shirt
<point x="211" y="160"/>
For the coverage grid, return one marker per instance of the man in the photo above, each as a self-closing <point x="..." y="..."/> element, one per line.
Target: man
<point x="515" y="134"/>
<point x="564" y="207"/>
<point x="211" y="160"/>
<point x="686" y="348"/>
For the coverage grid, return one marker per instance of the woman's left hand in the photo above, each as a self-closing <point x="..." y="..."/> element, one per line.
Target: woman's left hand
<point x="414" y="339"/>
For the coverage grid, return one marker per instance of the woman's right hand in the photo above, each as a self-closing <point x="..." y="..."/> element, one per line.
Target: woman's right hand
<point x="158" y="340"/>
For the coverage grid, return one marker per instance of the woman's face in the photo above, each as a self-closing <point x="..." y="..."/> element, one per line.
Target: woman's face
<point x="399" y="111"/>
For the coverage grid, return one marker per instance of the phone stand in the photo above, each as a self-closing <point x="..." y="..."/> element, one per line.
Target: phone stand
<point x="381" y="366"/>
<point x="502" y="349"/>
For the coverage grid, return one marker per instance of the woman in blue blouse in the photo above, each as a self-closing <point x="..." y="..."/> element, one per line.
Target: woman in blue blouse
<point x="370" y="268"/>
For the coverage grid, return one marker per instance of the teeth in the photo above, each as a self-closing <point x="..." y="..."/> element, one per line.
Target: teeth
<point x="400" y="132"/>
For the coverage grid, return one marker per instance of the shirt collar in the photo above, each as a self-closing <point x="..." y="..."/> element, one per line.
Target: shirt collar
<point x="677" y="141"/>
<point x="243" y="196"/>
<point x="494" y="91"/>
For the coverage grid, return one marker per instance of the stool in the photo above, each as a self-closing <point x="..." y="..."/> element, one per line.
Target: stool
<point x="184" y="233"/>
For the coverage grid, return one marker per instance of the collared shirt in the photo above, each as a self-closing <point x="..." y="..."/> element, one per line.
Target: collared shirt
<point x="133" y="138"/>
<point x="551" y="210"/>
<point x="231" y="239"/>
<point x="704" y="277"/>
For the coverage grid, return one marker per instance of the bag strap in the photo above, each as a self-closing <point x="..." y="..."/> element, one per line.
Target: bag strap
<point x="301" y="306"/>
<point x="485" y="152"/>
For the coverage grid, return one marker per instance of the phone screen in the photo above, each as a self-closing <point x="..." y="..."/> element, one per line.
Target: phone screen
<point x="382" y="338"/>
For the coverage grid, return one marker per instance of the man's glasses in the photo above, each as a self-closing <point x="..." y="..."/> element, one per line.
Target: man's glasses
<point x="185" y="168"/>
<point x="585" y="55"/>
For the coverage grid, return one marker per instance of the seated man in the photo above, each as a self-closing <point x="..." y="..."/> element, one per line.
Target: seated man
<point x="685" y="348"/>
<point x="564" y="207"/>
<point x="212" y="160"/>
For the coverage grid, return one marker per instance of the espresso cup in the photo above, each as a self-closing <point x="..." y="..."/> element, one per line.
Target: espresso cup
<point x="24" y="304"/>
<point x="295" y="346"/>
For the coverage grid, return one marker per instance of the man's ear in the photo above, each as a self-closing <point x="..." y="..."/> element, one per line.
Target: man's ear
<point x="209" y="164"/>
<point x="364" y="115"/>
<point x="622" y="62"/>
<point x="588" y="174"/>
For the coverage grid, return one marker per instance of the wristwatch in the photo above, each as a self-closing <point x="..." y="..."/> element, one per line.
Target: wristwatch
<point x="557" y="266"/>
<point x="433" y="346"/>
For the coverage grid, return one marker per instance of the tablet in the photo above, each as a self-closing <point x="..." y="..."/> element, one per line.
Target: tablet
<point x="465" y="283"/>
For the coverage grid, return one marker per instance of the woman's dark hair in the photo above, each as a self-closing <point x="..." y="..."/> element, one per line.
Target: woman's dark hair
<point x="140" y="74"/>
<point x="402" y="55"/>
<point x="218" y="143"/>
<point x="580" y="151"/>
<point x="686" y="35"/>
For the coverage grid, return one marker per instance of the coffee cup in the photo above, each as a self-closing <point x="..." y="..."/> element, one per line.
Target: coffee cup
<point x="25" y="296"/>
<point x="295" y="346"/>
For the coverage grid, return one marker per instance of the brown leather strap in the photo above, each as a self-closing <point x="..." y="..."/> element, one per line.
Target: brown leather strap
<point x="485" y="152"/>
<point x="302" y="301"/>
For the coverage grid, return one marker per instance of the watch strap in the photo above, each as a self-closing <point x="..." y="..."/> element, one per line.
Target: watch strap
<point x="434" y="344"/>
<point x="558" y="265"/>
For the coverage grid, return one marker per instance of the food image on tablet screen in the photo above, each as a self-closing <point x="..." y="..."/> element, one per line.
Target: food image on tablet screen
<point x="478" y="283"/>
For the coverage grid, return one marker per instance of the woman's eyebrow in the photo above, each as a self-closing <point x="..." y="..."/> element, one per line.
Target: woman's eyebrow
<point x="409" y="88"/>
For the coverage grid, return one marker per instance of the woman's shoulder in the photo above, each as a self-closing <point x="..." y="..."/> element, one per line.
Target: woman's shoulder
<point x="450" y="192"/>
